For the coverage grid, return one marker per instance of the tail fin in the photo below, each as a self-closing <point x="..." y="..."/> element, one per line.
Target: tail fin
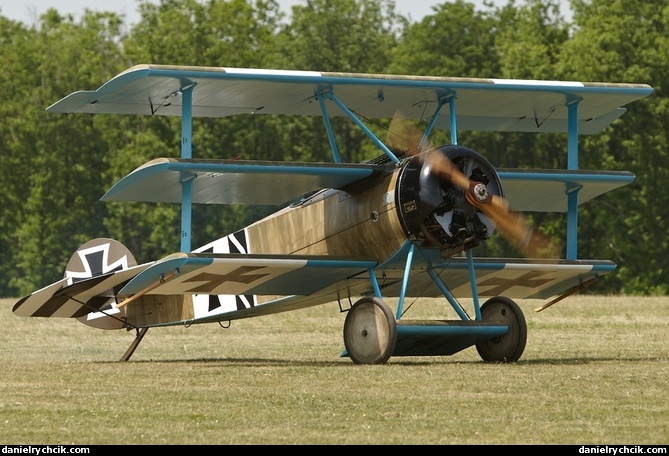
<point x="95" y="272"/>
<point x="96" y="257"/>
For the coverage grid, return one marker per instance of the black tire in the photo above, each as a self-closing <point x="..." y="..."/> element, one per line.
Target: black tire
<point x="370" y="331"/>
<point x="508" y="347"/>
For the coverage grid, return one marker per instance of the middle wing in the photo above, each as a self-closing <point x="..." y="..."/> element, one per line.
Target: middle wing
<point x="234" y="181"/>
<point x="275" y="183"/>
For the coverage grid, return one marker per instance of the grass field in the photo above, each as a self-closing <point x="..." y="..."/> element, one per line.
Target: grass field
<point x="595" y="371"/>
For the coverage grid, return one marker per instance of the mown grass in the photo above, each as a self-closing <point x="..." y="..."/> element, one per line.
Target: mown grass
<point x="595" y="371"/>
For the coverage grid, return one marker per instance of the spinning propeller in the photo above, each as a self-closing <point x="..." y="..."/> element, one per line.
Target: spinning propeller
<point x="514" y="227"/>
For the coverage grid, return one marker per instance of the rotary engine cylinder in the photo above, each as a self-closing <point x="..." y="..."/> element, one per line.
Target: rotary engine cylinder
<point x="432" y="208"/>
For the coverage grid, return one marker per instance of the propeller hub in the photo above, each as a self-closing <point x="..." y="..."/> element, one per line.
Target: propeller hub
<point x="480" y="191"/>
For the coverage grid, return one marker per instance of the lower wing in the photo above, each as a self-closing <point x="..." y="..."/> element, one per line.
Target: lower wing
<point x="188" y="288"/>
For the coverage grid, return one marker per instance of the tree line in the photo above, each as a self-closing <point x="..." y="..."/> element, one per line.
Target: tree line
<point x="54" y="168"/>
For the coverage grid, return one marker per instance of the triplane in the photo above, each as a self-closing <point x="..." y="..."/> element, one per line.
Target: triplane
<point x="402" y="225"/>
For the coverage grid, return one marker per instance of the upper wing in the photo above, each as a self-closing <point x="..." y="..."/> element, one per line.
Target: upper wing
<point x="482" y="104"/>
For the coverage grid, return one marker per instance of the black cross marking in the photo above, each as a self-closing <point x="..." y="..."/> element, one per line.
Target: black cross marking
<point x="528" y="280"/>
<point x="215" y="280"/>
<point x="96" y="266"/>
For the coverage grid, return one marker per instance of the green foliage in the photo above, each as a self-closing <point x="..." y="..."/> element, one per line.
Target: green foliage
<point x="18" y="111"/>
<point x="616" y="42"/>
<point x="220" y="33"/>
<point x="529" y="40"/>
<point x="456" y="41"/>
<point x="338" y="35"/>
<point x="54" y="162"/>
<point x="55" y="168"/>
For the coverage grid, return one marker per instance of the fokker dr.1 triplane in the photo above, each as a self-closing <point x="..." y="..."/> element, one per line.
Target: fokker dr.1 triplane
<point x="367" y="235"/>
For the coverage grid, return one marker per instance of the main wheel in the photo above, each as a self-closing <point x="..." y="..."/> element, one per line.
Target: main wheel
<point x="508" y="347"/>
<point x="370" y="331"/>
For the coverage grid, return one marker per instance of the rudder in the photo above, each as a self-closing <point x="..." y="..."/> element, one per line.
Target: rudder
<point x="96" y="257"/>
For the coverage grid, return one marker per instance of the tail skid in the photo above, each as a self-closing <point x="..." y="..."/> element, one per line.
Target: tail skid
<point x="97" y="257"/>
<point x="141" y="332"/>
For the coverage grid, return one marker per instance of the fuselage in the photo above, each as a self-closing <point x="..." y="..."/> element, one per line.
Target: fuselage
<point x="357" y="222"/>
<point x="373" y="218"/>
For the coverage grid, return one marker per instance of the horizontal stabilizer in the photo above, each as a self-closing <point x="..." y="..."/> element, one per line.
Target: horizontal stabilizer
<point x="76" y="300"/>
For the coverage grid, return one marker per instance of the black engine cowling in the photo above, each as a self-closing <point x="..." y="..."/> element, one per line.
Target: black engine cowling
<point x="433" y="209"/>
